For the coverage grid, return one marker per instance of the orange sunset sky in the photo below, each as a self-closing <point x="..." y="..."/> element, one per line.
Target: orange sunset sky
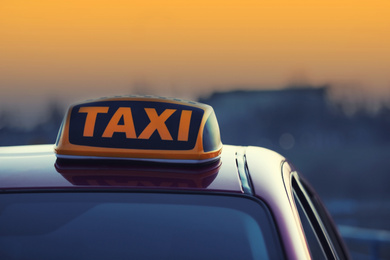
<point x="77" y="49"/>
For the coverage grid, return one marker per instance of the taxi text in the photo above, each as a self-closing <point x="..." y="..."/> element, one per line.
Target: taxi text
<point x="157" y="123"/>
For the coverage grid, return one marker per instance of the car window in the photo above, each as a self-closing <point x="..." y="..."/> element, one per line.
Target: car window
<point x="135" y="226"/>
<point x="314" y="244"/>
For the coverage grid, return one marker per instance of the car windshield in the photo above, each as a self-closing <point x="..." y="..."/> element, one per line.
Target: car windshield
<point x="90" y="225"/>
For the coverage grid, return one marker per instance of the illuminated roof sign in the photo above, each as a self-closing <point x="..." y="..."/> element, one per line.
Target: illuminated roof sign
<point x="140" y="128"/>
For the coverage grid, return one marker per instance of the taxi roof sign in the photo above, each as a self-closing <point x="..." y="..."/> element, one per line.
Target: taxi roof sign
<point x="140" y="128"/>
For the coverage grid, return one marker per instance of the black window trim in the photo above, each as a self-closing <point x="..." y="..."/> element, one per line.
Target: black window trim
<point x="313" y="216"/>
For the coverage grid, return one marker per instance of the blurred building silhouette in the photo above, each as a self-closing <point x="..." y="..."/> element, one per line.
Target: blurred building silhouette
<point x="295" y="118"/>
<point x="42" y="133"/>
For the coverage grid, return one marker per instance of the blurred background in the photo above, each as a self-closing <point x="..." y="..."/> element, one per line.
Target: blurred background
<point x="309" y="79"/>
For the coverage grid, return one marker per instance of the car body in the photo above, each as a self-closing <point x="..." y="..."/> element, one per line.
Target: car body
<point x="245" y="202"/>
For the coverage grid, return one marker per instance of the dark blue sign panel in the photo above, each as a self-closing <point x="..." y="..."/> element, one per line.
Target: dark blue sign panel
<point x="135" y="125"/>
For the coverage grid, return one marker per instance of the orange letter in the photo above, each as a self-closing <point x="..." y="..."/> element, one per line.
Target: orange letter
<point x="92" y="112"/>
<point x="127" y="127"/>
<point x="184" y="127"/>
<point x="157" y="123"/>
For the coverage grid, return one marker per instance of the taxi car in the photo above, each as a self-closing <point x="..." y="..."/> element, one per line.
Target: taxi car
<point x="148" y="178"/>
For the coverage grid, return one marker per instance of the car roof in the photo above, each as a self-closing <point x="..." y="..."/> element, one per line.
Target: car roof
<point x="37" y="167"/>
